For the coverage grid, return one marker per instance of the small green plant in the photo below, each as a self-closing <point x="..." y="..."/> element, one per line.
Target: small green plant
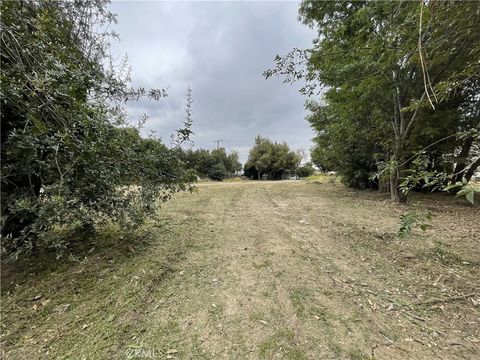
<point x="411" y="219"/>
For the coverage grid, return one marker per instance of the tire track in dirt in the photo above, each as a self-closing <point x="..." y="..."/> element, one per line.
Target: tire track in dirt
<point x="273" y="274"/>
<point x="266" y="270"/>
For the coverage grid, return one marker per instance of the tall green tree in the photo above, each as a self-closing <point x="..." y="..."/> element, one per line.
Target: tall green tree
<point x="68" y="155"/>
<point x="395" y="63"/>
<point x="271" y="159"/>
<point x="215" y="164"/>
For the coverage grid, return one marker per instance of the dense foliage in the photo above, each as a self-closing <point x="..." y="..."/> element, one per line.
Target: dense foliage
<point x="399" y="81"/>
<point x="271" y="160"/>
<point x="305" y="170"/>
<point x="68" y="156"/>
<point x="215" y="164"/>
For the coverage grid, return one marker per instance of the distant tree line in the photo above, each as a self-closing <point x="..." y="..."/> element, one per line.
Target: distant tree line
<point x="267" y="160"/>
<point x="214" y="164"/>
<point x="393" y="92"/>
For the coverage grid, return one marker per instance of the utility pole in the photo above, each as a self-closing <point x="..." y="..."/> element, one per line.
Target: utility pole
<point x="218" y="143"/>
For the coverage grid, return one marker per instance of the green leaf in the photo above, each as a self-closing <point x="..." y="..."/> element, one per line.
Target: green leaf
<point x="453" y="186"/>
<point x="470" y="196"/>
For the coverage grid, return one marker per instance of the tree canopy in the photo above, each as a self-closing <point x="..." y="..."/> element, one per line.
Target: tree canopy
<point x="397" y="80"/>
<point x="270" y="159"/>
<point x="215" y="164"/>
<point x="305" y="170"/>
<point x="69" y="158"/>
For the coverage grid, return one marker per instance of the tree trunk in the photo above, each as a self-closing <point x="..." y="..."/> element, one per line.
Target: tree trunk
<point x="394" y="190"/>
<point x="396" y="194"/>
<point x="471" y="170"/>
<point x="462" y="160"/>
<point x="397" y="175"/>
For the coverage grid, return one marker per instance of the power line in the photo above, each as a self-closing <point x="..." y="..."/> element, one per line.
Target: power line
<point x="218" y="143"/>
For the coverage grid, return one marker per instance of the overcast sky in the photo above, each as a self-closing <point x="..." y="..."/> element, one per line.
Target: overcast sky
<point x="220" y="49"/>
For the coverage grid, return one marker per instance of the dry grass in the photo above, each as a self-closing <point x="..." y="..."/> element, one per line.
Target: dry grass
<point x="249" y="270"/>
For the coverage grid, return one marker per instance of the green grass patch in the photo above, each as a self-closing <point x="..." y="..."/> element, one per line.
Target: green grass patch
<point x="323" y="179"/>
<point x="305" y="305"/>
<point x="103" y="296"/>
<point x="300" y="297"/>
<point x="282" y="345"/>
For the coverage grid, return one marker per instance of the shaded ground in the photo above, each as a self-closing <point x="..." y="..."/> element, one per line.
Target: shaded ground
<point x="260" y="270"/>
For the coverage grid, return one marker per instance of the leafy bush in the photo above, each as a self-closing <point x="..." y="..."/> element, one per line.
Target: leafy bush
<point x="270" y="159"/>
<point x="411" y="219"/>
<point x="375" y="106"/>
<point x="305" y="170"/>
<point x="217" y="172"/>
<point x="68" y="156"/>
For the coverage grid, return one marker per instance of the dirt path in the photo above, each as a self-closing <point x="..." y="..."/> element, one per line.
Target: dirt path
<point x="277" y="270"/>
<point x="278" y="278"/>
